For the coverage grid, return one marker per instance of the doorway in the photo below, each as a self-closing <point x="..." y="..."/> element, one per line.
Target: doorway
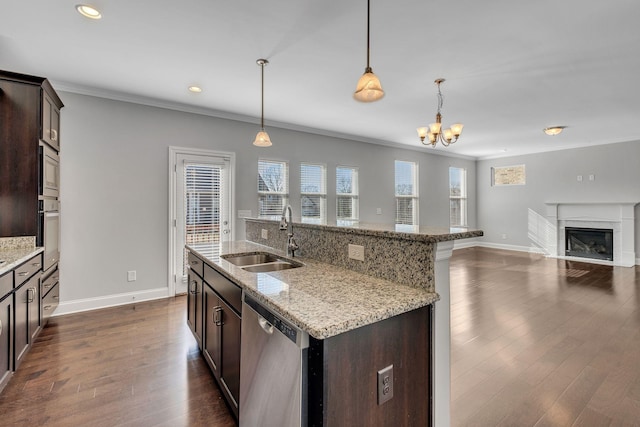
<point x="201" y="204"/>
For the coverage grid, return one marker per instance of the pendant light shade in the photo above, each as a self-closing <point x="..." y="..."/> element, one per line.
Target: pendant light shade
<point x="262" y="138"/>
<point x="369" y="88"/>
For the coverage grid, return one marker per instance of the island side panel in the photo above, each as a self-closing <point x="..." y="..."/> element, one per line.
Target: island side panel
<point x="350" y="364"/>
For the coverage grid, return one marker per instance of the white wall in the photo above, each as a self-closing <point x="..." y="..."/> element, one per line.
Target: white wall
<point x="552" y="177"/>
<point x="114" y="199"/>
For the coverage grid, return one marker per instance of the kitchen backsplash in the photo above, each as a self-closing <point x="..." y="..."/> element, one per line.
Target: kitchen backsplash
<point x="409" y="262"/>
<point x="10" y="243"/>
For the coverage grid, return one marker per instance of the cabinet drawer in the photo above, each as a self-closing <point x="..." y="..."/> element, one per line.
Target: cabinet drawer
<point x="26" y="270"/>
<point x="50" y="302"/>
<point x="49" y="282"/>
<point x="196" y="264"/>
<point x="6" y="284"/>
<point x="229" y="291"/>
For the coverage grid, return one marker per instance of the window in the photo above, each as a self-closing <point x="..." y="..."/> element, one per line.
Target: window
<point x="406" y="193"/>
<point x="313" y="193"/>
<point x="457" y="197"/>
<point x="273" y="188"/>
<point x="346" y="195"/>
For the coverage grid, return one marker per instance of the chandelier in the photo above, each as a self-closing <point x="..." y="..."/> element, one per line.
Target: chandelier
<point x="434" y="133"/>
<point x="262" y="138"/>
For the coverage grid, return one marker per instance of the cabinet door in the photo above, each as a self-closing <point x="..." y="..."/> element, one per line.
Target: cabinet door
<point x="230" y="372"/>
<point x="212" y="329"/>
<point x="6" y="341"/>
<point x="21" y="323"/>
<point x="50" y="122"/>
<point x="194" y="306"/>
<point x="35" y="302"/>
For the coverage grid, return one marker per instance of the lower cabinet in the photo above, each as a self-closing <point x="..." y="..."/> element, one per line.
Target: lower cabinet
<point x="194" y="306"/>
<point x="26" y="317"/>
<point x="6" y="340"/>
<point x="222" y="345"/>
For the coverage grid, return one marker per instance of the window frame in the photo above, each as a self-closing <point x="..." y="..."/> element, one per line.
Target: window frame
<point x="321" y="194"/>
<point x="413" y="197"/>
<point x="461" y="200"/>
<point x="353" y="196"/>
<point x="284" y="194"/>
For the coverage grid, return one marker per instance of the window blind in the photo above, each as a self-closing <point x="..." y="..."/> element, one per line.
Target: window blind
<point x="406" y="191"/>
<point x="346" y="194"/>
<point x="203" y="193"/>
<point x="313" y="193"/>
<point x="273" y="187"/>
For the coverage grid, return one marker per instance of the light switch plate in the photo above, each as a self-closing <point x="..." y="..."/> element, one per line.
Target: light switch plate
<point x="131" y="276"/>
<point x="264" y="234"/>
<point x="385" y="384"/>
<point x="244" y="213"/>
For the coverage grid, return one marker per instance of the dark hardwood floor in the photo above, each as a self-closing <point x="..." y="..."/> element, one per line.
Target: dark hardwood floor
<point x="535" y="342"/>
<point x="134" y="365"/>
<point x="543" y="342"/>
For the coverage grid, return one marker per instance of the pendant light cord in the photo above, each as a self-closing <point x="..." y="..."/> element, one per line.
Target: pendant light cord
<point x="262" y="95"/>
<point x="368" y="21"/>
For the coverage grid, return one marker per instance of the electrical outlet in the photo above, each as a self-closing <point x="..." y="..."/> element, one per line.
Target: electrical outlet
<point x="131" y="276"/>
<point x="503" y="236"/>
<point x="378" y="211"/>
<point x="579" y="178"/>
<point x="356" y="252"/>
<point x="385" y="384"/>
<point x="592" y="177"/>
<point x="265" y="234"/>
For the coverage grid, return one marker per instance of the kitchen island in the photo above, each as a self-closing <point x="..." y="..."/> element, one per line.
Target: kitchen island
<point x="358" y="322"/>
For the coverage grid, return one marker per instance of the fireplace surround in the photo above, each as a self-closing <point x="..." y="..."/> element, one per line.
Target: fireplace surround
<point x="617" y="217"/>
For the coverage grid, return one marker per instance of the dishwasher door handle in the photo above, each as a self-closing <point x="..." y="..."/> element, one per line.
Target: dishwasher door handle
<point x="266" y="326"/>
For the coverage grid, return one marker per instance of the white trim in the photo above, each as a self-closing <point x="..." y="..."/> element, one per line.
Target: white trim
<point x="87" y="304"/>
<point x="173" y="162"/>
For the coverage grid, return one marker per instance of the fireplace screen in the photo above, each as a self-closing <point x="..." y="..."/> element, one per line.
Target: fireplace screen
<point x="594" y="243"/>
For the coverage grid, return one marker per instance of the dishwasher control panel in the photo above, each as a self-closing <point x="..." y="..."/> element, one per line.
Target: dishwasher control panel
<point x="280" y="324"/>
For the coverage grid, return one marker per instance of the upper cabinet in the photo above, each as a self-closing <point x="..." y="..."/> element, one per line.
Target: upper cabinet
<point x="51" y="120"/>
<point x="29" y="117"/>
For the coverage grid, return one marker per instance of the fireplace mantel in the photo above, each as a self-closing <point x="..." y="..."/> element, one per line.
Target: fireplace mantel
<point x="619" y="216"/>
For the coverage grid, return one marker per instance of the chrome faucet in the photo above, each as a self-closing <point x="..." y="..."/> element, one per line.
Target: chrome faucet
<point x="285" y="224"/>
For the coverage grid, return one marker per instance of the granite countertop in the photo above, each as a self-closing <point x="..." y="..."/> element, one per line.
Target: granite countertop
<point x="321" y="299"/>
<point x="11" y="258"/>
<point x="421" y="233"/>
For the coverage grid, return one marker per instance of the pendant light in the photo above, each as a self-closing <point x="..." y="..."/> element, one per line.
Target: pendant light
<point x="369" y="88"/>
<point x="434" y="131"/>
<point x="262" y="138"/>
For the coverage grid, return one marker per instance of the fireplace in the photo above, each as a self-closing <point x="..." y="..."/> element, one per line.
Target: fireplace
<point x="596" y="243"/>
<point x="618" y="218"/>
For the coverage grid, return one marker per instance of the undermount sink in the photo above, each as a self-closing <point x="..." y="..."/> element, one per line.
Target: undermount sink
<point x="261" y="262"/>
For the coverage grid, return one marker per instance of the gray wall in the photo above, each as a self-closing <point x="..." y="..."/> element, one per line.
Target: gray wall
<point x="114" y="199"/>
<point x="552" y="177"/>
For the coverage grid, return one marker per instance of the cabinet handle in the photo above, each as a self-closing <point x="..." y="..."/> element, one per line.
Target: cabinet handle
<point x="31" y="293"/>
<point x="47" y="286"/>
<point x="56" y="297"/>
<point x="23" y="273"/>
<point x="54" y="135"/>
<point x="194" y="263"/>
<point x="36" y="264"/>
<point x="217" y="315"/>
<point x="194" y="291"/>
<point x="46" y="308"/>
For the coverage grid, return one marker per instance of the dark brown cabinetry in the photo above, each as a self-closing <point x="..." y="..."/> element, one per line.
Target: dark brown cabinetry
<point x="6" y="328"/>
<point x="214" y="310"/>
<point x="27" y="306"/>
<point x="342" y="377"/>
<point x="194" y="306"/>
<point x="28" y="105"/>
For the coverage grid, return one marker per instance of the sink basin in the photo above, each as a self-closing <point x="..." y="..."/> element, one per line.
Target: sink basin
<point x="274" y="266"/>
<point x="261" y="262"/>
<point x="251" y="259"/>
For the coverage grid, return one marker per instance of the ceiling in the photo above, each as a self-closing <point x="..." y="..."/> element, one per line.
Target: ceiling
<point x="512" y="67"/>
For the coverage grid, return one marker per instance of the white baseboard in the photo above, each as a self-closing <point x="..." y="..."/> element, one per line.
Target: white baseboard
<point x="86" y="304"/>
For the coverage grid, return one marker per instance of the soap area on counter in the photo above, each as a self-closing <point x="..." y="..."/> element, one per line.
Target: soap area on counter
<point x="361" y="331"/>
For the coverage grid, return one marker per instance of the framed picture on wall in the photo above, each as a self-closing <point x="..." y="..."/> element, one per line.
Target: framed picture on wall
<point x="508" y="175"/>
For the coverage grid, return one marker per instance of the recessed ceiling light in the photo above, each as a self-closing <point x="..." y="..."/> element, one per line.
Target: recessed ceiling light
<point x="554" y="130"/>
<point x="195" y="89"/>
<point x="88" y="11"/>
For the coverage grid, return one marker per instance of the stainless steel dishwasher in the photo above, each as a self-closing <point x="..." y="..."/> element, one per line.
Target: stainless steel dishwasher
<point x="273" y="365"/>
